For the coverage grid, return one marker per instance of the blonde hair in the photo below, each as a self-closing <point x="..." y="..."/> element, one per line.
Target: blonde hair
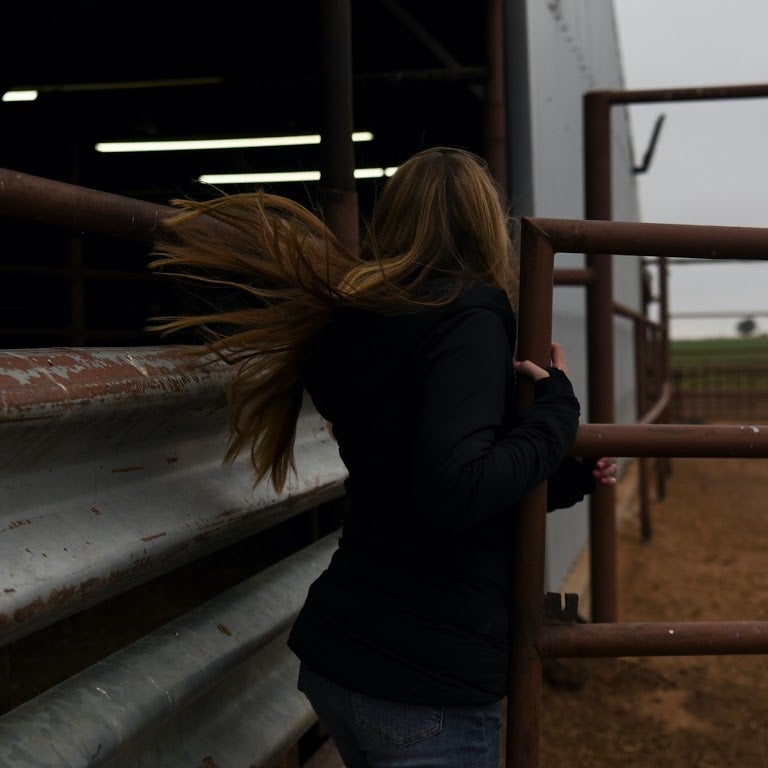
<point x="440" y="214"/>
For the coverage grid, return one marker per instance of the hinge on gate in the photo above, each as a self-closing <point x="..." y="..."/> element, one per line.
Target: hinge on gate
<point x="557" y="612"/>
<point x="563" y="673"/>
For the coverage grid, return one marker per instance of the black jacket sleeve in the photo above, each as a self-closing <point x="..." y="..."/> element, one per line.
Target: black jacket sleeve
<point x="570" y="483"/>
<point x="466" y="464"/>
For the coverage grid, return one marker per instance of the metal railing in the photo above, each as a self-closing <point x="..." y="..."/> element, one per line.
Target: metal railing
<point x="535" y="640"/>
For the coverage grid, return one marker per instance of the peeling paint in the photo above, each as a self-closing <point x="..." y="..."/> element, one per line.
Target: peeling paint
<point x="63" y="379"/>
<point x="154" y="536"/>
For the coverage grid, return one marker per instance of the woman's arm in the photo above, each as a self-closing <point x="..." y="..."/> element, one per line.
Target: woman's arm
<point x="466" y="466"/>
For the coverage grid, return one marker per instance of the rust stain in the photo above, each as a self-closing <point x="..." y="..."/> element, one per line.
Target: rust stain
<point x="41" y="606"/>
<point x="38" y="605"/>
<point x="91" y="585"/>
<point x="209" y="762"/>
<point x="154" y="536"/>
<point x="127" y="469"/>
<point x="96" y="511"/>
<point x="19" y="523"/>
<point x="224" y="629"/>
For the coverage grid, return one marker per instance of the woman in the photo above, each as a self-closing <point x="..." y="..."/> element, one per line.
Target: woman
<point x="407" y="350"/>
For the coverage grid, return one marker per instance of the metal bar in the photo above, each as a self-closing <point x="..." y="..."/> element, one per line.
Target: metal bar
<point x="676" y="440"/>
<point x="431" y="44"/>
<point x="734" y="313"/>
<point x="624" y="311"/>
<point x="696" y="241"/>
<point x="77" y="209"/>
<point x="654" y="413"/>
<point x="495" y="114"/>
<point x="337" y="152"/>
<point x="641" y="399"/>
<point x="600" y="358"/>
<point x="527" y="610"/>
<point x="645" y="502"/>
<point x="457" y="75"/>
<point x="687" y="94"/>
<point x="641" y="373"/>
<point x="664" y="464"/>
<point x="573" y="276"/>
<point x="654" y="639"/>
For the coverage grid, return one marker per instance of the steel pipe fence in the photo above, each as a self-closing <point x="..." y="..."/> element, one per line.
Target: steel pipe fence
<point x="533" y="639"/>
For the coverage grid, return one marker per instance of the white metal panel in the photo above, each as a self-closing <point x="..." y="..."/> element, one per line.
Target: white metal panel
<point x="572" y="48"/>
<point x="111" y="473"/>
<point x="218" y="683"/>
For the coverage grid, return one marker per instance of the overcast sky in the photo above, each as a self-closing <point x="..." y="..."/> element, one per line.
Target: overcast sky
<point x="711" y="159"/>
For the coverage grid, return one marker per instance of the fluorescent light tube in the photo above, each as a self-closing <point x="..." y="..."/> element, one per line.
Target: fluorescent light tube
<point x="198" y="144"/>
<point x="273" y="178"/>
<point x="19" y="95"/>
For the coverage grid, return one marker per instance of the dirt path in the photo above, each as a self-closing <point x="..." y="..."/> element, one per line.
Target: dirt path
<point x="707" y="560"/>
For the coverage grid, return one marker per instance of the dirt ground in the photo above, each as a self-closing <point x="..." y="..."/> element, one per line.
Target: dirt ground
<point x="707" y="559"/>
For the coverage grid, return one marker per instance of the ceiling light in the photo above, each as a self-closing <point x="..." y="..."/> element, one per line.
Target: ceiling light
<point x="273" y="178"/>
<point x="243" y="143"/>
<point x="19" y="95"/>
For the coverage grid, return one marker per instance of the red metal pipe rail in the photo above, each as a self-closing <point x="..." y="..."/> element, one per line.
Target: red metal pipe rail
<point x="681" y="440"/>
<point x="646" y="239"/>
<point x="599" y="206"/>
<point x="686" y="638"/>
<point x="541" y="239"/>
<point x="69" y="207"/>
<point x="337" y="153"/>
<point x="708" y="93"/>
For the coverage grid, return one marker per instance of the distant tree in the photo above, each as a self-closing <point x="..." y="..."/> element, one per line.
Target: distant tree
<point x="746" y="327"/>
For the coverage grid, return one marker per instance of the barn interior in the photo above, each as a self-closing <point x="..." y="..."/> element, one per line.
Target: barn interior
<point x="134" y="71"/>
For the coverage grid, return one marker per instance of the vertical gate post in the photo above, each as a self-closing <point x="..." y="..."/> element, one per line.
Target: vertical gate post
<point x="529" y="532"/>
<point x="600" y="364"/>
<point x="337" y="152"/>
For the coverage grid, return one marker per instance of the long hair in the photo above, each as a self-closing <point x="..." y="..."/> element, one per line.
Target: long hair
<point x="440" y="215"/>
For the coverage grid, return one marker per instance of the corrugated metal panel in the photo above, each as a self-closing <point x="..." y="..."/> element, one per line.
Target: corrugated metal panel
<point x="216" y="687"/>
<point x="111" y="473"/>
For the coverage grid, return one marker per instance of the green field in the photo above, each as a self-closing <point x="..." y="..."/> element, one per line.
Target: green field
<point x="737" y="352"/>
<point x="713" y="368"/>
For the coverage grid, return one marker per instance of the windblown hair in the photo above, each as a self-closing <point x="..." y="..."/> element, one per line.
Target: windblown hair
<point x="439" y="215"/>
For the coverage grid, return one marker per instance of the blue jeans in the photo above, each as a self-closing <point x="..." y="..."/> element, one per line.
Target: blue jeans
<point x="376" y="733"/>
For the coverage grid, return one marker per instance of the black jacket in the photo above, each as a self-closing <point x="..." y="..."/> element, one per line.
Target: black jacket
<point x="413" y="606"/>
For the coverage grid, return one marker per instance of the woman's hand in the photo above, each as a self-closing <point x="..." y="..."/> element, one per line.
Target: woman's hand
<point x="536" y="372"/>
<point x="605" y="471"/>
